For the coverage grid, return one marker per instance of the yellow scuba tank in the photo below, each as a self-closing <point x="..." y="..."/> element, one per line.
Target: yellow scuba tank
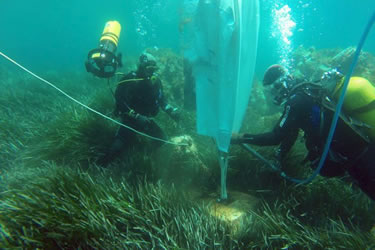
<point x="359" y="102"/>
<point x="111" y="32"/>
<point x="102" y="61"/>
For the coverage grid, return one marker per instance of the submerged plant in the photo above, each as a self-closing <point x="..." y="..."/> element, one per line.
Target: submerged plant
<point x="46" y="203"/>
<point x="73" y="209"/>
<point x="282" y="230"/>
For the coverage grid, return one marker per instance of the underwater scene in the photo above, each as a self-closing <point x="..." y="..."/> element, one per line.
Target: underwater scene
<point x="187" y="124"/>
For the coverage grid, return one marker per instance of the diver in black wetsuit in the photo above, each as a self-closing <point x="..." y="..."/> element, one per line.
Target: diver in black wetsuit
<point x="351" y="150"/>
<point x="139" y="95"/>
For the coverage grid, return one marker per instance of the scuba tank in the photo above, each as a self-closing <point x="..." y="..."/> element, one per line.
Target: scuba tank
<point x="102" y="61"/>
<point x="359" y="102"/>
<point x="110" y="35"/>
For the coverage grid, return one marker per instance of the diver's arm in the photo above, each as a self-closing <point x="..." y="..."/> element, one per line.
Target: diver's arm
<point x="285" y="132"/>
<point x="173" y="112"/>
<point x="121" y="106"/>
<point x="162" y="99"/>
<point x="169" y="109"/>
<point x="123" y="94"/>
<point x="265" y="139"/>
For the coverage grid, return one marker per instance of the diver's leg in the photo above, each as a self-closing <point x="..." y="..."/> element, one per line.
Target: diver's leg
<point x="123" y="140"/>
<point x="364" y="172"/>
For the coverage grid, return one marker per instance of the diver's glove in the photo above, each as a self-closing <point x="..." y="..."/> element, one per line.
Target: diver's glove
<point x="237" y="138"/>
<point x="174" y="113"/>
<point x="246" y="138"/>
<point x="142" y="119"/>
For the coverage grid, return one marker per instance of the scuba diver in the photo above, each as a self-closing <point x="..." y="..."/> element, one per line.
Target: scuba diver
<point x="309" y="106"/>
<point x="139" y="95"/>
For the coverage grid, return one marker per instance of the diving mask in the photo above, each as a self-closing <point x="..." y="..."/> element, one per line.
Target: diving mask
<point x="330" y="79"/>
<point x="147" y="65"/>
<point x="279" y="89"/>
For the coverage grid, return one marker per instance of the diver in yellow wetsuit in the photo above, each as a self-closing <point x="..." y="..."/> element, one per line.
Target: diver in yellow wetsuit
<point x="309" y="106"/>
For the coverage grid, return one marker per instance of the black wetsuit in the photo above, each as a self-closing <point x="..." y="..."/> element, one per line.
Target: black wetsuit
<point x="136" y="96"/>
<point x="143" y="96"/>
<point x="348" y="151"/>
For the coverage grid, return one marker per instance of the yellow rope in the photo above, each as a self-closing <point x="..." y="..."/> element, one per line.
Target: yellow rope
<point x="130" y="80"/>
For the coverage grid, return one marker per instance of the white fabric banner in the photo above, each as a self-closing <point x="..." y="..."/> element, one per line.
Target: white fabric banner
<point x="223" y="57"/>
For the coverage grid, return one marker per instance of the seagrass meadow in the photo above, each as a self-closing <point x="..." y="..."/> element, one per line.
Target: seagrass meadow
<point x="53" y="195"/>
